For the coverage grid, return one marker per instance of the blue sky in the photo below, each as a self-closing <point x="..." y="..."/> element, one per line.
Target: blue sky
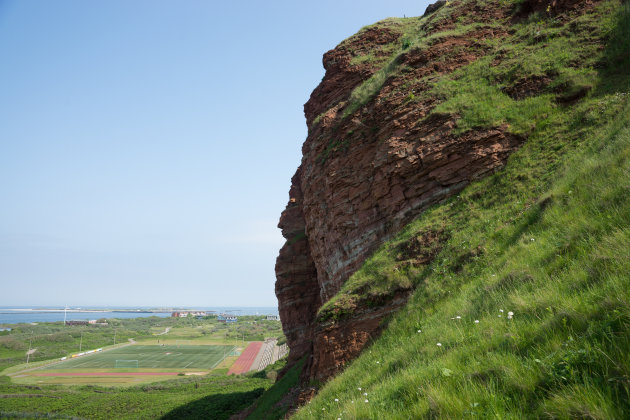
<point x="146" y="147"/>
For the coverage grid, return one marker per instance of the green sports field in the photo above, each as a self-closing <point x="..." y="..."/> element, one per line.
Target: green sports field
<point x="150" y="357"/>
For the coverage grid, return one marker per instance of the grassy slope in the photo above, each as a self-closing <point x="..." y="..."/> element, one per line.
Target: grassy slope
<point x="548" y="238"/>
<point x="269" y="404"/>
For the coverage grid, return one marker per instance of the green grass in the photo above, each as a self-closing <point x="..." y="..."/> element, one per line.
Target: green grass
<point x="267" y="406"/>
<point x="216" y="397"/>
<point x="566" y="53"/>
<point x="413" y="38"/>
<point x="379" y="56"/>
<point x="170" y="356"/>
<point x="547" y="238"/>
<point x="366" y="90"/>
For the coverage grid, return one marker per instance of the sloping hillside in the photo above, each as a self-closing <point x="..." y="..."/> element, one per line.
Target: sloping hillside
<point x="543" y="87"/>
<point x="536" y="324"/>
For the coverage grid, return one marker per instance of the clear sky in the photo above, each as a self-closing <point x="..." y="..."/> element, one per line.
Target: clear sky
<point x="146" y="147"/>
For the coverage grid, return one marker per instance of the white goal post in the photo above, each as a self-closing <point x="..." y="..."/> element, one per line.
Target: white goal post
<point x="126" y="364"/>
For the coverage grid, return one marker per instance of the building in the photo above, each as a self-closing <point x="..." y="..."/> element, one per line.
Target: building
<point x="273" y="318"/>
<point x="184" y="314"/>
<point x="76" y="322"/>
<point x="225" y="318"/>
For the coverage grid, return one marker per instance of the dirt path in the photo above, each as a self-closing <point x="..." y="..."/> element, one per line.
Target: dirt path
<point x="165" y="331"/>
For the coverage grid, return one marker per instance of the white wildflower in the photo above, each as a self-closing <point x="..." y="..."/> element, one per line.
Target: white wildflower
<point x="366" y="400"/>
<point x="419" y="331"/>
<point x="501" y="310"/>
<point x="439" y="344"/>
<point x="458" y="317"/>
<point x="336" y="399"/>
<point x="476" y="321"/>
<point x="359" y="388"/>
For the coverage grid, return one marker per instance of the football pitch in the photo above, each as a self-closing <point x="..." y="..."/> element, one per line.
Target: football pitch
<point x="150" y="357"/>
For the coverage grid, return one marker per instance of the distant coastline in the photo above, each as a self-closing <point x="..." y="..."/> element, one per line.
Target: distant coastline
<point x="18" y="315"/>
<point x="55" y="310"/>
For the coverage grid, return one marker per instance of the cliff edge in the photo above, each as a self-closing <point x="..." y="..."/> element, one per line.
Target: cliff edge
<point x="391" y="133"/>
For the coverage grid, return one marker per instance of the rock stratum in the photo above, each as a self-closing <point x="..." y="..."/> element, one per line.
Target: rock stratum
<point x="376" y="156"/>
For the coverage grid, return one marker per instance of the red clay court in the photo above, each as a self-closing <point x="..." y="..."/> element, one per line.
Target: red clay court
<point x="246" y="359"/>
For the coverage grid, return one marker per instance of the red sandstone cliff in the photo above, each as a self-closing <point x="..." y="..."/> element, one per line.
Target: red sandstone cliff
<point x="367" y="171"/>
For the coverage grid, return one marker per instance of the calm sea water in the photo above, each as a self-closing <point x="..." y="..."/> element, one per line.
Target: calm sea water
<point x="16" y="315"/>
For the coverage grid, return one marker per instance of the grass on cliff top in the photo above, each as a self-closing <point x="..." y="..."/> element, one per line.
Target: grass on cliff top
<point x="414" y="37"/>
<point x="566" y="54"/>
<point x="407" y="27"/>
<point x="548" y="239"/>
<point x="542" y="46"/>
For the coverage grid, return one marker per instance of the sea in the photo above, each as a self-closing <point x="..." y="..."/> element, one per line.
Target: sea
<point x="17" y="315"/>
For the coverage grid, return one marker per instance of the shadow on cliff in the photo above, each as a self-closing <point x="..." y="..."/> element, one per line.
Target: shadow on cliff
<point x="614" y="71"/>
<point x="617" y="53"/>
<point x="216" y="406"/>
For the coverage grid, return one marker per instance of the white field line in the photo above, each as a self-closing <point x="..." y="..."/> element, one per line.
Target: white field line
<point x="116" y="346"/>
<point x="227" y="353"/>
<point x="80" y="364"/>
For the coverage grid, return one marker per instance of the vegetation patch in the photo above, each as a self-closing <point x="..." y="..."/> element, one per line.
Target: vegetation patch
<point x="190" y="397"/>
<point x="276" y="400"/>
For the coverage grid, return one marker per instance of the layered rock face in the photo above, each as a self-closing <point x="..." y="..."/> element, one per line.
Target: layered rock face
<point x="367" y="171"/>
